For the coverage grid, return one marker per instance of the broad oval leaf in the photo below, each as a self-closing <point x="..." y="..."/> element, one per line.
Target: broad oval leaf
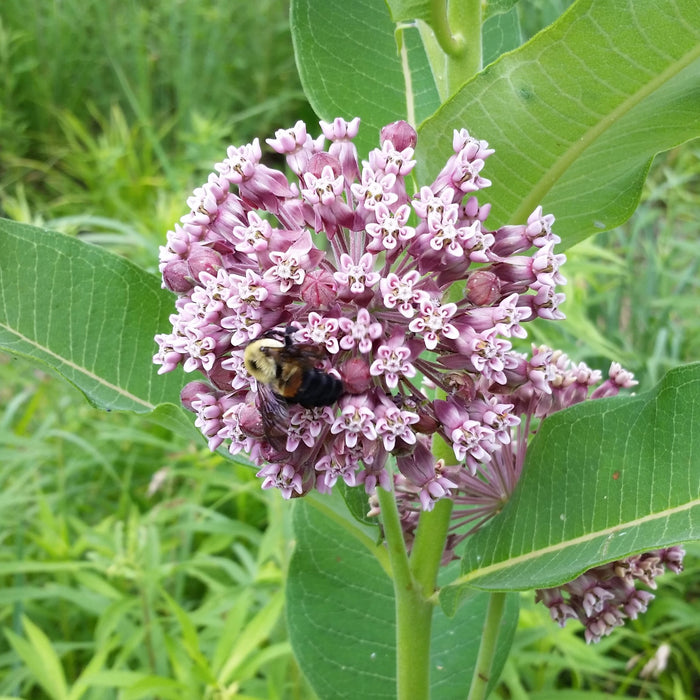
<point x="577" y="114"/>
<point x="340" y="613"/>
<point x="349" y="65"/>
<point x="86" y="313"/>
<point x="603" y="480"/>
<point x="348" y="62"/>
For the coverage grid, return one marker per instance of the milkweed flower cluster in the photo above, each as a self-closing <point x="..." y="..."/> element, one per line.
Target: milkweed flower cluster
<point x="414" y="301"/>
<point x="605" y="596"/>
<point x="352" y="262"/>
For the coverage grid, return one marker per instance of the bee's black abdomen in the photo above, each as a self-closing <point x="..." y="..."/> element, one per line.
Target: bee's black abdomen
<point x="318" y="389"/>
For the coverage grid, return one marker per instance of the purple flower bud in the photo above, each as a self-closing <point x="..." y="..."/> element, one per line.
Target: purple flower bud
<point x="221" y="377"/>
<point x="319" y="161"/>
<point x="401" y="134"/>
<point x="192" y="391"/>
<point x="177" y="276"/>
<point x="203" y="259"/>
<point x="251" y="422"/>
<point x="319" y="289"/>
<point x="483" y="288"/>
<point x="355" y="375"/>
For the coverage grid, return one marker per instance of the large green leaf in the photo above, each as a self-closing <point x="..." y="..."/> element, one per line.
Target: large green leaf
<point x="348" y="63"/>
<point x="87" y="314"/>
<point x="340" y="611"/>
<point x="602" y="480"/>
<point x="577" y="114"/>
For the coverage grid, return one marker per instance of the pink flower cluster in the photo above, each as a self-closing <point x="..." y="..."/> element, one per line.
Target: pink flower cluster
<point x="605" y="596"/>
<point x="410" y="296"/>
<point x="407" y="298"/>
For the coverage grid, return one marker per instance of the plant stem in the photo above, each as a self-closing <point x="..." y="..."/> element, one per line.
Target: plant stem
<point x="489" y="637"/>
<point x="465" y="20"/>
<point x="413" y="612"/>
<point x="455" y="48"/>
<point x="429" y="544"/>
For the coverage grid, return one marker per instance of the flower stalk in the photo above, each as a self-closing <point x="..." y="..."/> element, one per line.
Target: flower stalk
<point x="414" y="613"/>
<point x="454" y="44"/>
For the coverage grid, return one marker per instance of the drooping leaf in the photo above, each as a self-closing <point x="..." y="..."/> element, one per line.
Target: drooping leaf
<point x="577" y="114"/>
<point x="603" y="480"/>
<point x="340" y="612"/>
<point x="87" y="314"/>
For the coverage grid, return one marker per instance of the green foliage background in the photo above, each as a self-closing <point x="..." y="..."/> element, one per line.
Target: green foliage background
<point x="134" y="563"/>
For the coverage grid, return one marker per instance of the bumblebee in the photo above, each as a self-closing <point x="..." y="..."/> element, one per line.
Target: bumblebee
<point x="289" y="373"/>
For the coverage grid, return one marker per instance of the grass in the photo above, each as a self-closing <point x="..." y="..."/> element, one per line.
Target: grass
<point x="136" y="565"/>
<point x="115" y="110"/>
<point x="108" y="582"/>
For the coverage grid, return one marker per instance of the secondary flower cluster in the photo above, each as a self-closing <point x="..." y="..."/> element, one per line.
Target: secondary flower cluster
<point x="605" y="596"/>
<point x="410" y="298"/>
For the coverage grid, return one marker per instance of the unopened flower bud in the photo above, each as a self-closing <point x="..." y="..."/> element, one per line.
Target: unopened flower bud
<point x="177" y="277"/>
<point x="319" y="161"/>
<point x="355" y="375"/>
<point x="400" y="133"/>
<point x="483" y="288"/>
<point x="250" y="421"/>
<point x="203" y="259"/>
<point x="319" y="288"/>
<point x="221" y="378"/>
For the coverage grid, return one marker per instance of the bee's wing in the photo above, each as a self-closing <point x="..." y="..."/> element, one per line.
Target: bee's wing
<point x="273" y="409"/>
<point x="309" y="355"/>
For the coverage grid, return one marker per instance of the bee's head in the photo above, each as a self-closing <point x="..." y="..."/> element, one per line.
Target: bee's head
<point x="260" y="358"/>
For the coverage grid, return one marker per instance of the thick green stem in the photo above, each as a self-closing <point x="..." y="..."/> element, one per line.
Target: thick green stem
<point x="454" y="45"/>
<point x="429" y="544"/>
<point x="413" y="611"/>
<point x="489" y="637"/>
<point x="465" y="20"/>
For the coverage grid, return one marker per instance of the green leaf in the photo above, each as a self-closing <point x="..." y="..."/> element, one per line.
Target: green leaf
<point x="349" y="64"/>
<point x="355" y="499"/>
<point x="577" y="114"/>
<point x="603" y="480"/>
<point x="41" y="659"/>
<point x="87" y="314"/>
<point x="500" y="33"/>
<point x="340" y="613"/>
<point x="255" y="632"/>
<point x="406" y="10"/>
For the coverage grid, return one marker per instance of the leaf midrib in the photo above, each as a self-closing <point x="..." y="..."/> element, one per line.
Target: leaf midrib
<point x="63" y="361"/>
<point x="535" y="554"/>
<point x="554" y="173"/>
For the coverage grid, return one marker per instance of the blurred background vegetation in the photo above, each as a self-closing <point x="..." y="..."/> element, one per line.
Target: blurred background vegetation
<point x="135" y="564"/>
